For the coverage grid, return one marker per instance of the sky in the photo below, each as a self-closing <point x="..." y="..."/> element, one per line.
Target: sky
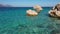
<point x="30" y="3"/>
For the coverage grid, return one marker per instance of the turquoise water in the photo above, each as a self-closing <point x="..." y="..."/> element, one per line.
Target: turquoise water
<point x="15" y="21"/>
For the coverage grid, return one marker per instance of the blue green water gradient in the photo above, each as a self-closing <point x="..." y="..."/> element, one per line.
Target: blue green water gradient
<point x="15" y="21"/>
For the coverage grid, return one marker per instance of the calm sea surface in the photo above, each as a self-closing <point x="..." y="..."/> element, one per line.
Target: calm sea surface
<point x="15" y="21"/>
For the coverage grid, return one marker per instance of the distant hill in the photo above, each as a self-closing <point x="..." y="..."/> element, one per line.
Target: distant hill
<point x="2" y="5"/>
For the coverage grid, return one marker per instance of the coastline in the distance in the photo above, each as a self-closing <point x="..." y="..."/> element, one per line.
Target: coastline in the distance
<point x="2" y="5"/>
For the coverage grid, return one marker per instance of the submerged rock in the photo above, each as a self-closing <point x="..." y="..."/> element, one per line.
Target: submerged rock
<point x="37" y="8"/>
<point x="31" y="12"/>
<point x="55" y="32"/>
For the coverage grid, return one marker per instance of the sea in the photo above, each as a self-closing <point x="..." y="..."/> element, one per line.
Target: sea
<point x="14" y="20"/>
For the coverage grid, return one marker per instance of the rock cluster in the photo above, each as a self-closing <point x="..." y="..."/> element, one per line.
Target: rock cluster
<point x="34" y="12"/>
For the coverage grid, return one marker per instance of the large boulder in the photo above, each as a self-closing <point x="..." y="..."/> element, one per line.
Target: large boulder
<point x="31" y="12"/>
<point x="54" y="13"/>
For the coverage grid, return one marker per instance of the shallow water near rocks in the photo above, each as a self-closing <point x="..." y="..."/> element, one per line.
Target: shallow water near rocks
<point x="15" y="21"/>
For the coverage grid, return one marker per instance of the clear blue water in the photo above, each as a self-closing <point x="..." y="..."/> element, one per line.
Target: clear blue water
<point x="15" y="21"/>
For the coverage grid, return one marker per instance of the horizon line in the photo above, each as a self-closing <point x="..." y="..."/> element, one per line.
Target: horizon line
<point x="47" y="6"/>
